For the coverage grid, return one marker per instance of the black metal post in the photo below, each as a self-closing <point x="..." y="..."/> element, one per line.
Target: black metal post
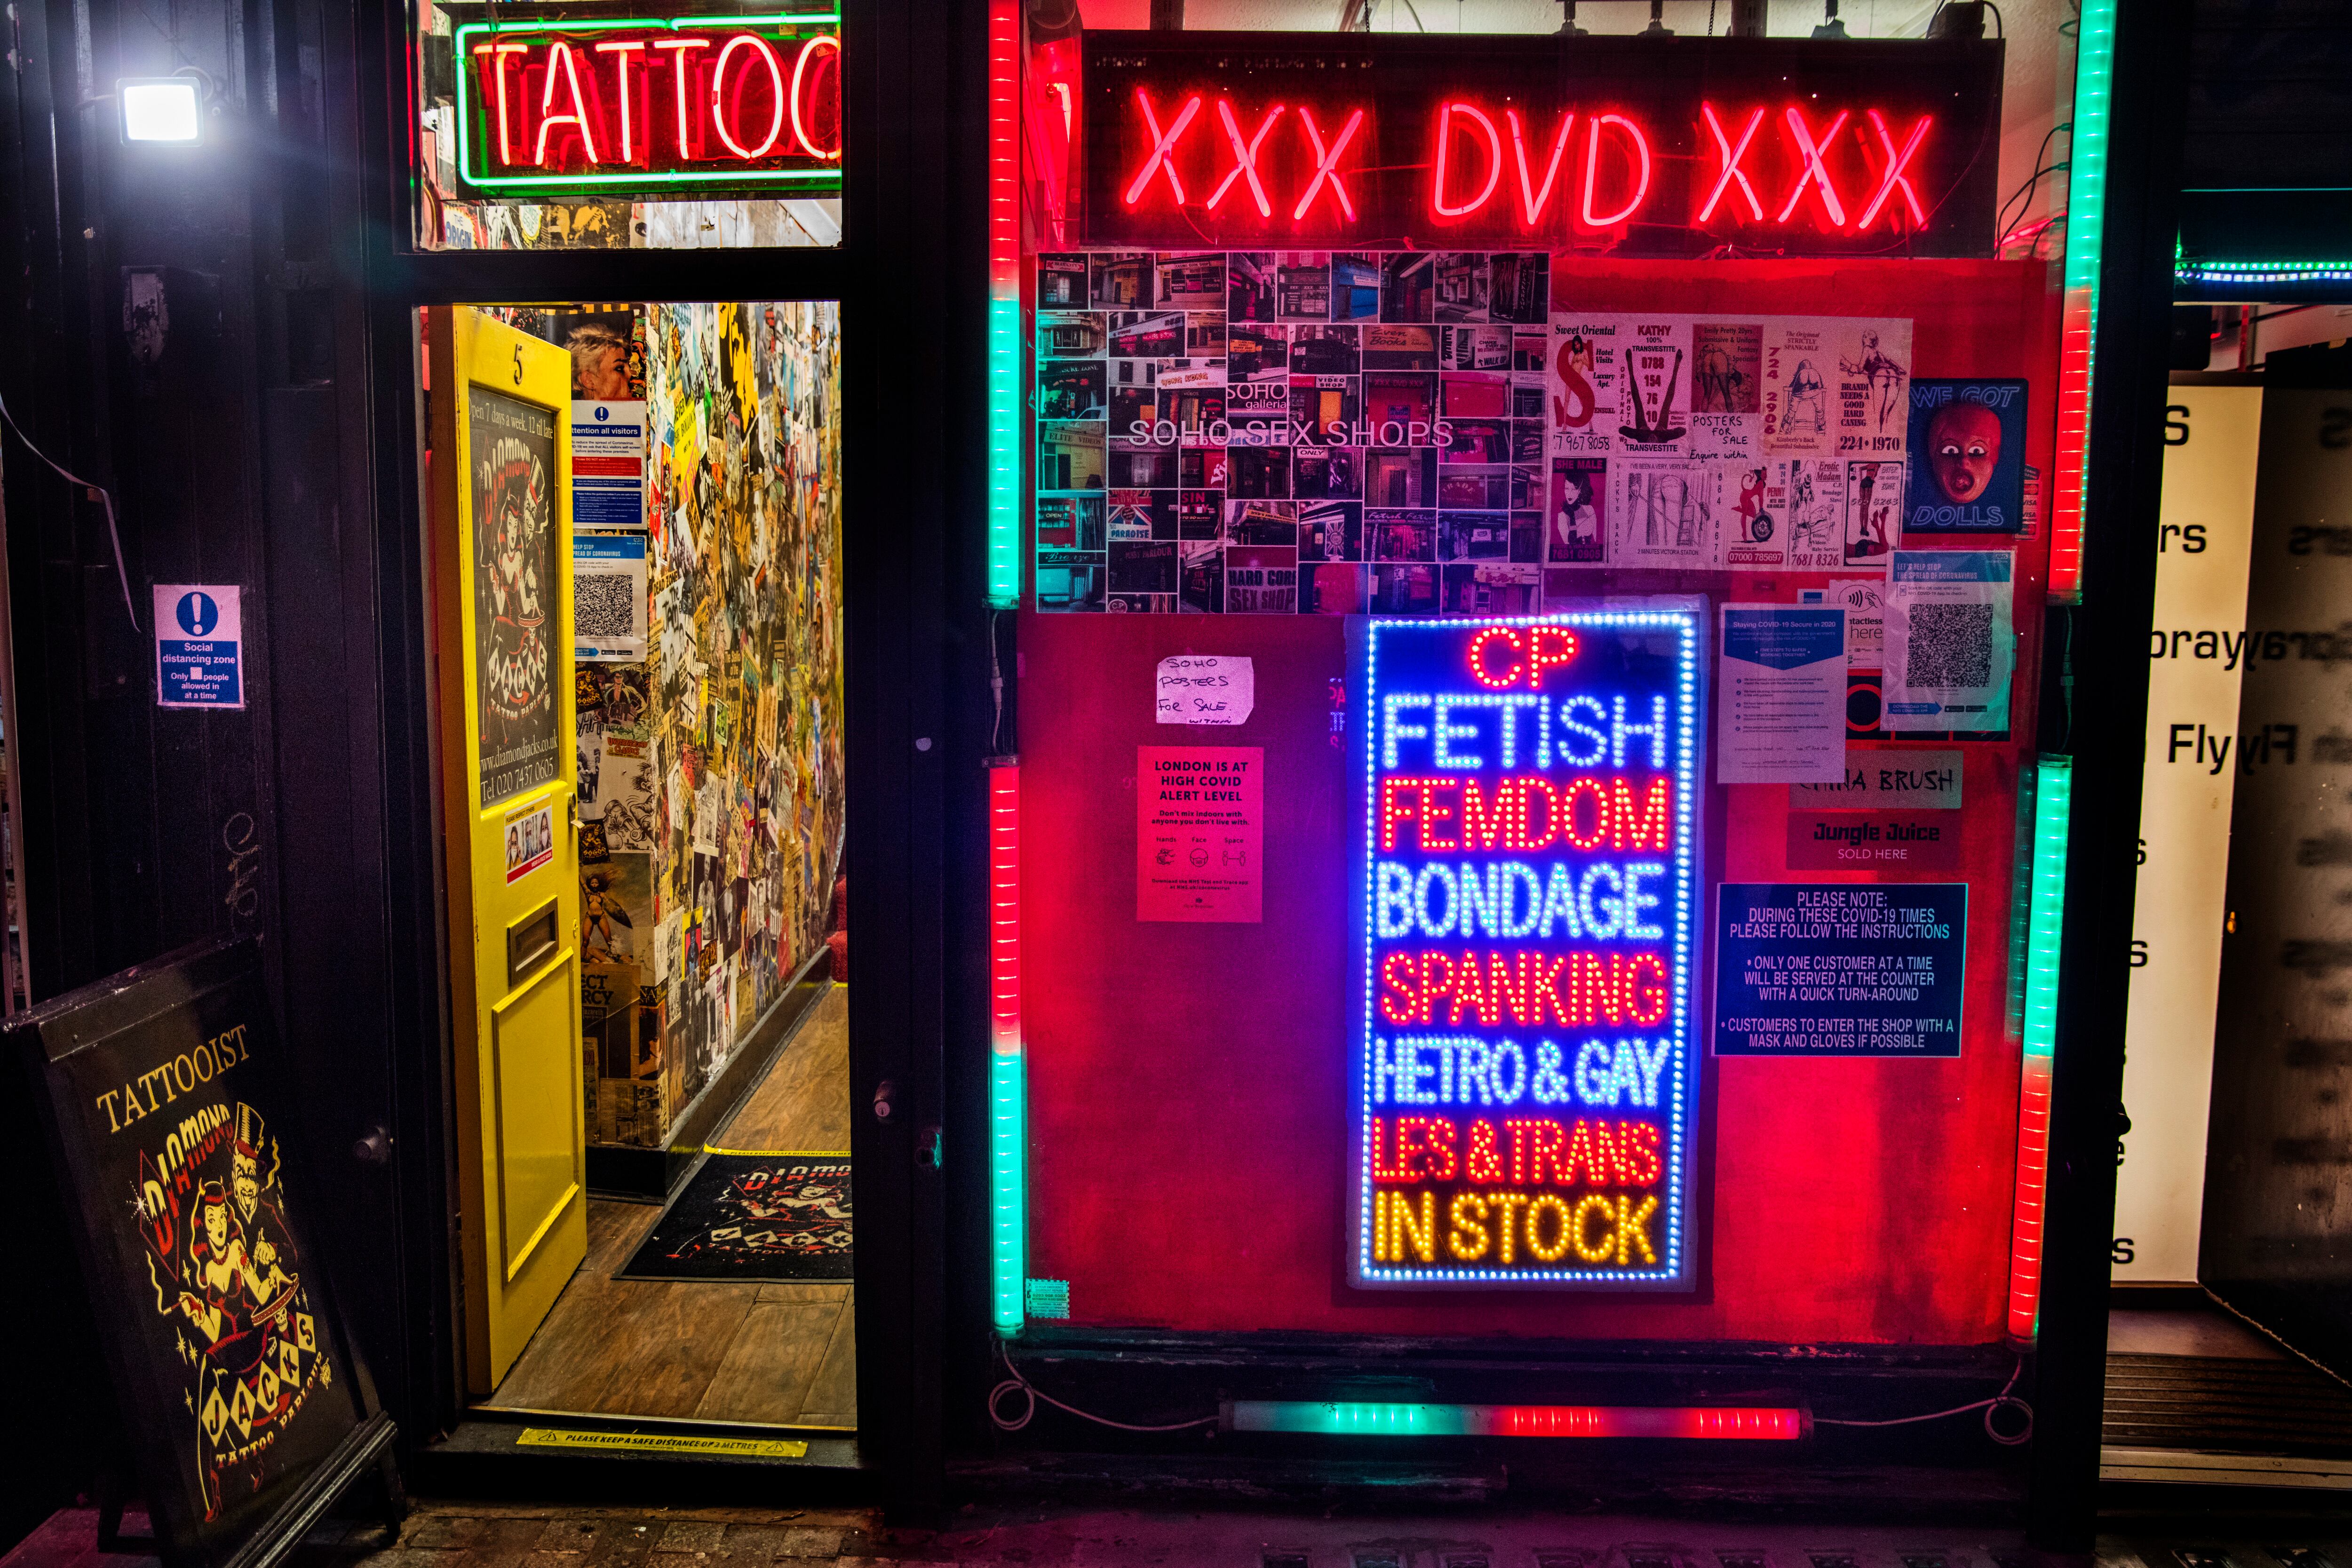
<point x="2096" y="708"/>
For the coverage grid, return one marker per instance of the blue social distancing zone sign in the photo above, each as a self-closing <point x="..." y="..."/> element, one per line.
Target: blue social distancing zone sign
<point x="199" y="645"/>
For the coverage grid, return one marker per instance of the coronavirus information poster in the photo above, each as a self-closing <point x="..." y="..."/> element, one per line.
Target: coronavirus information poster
<point x="1780" y="700"/>
<point x="1199" y="833"/>
<point x="1839" y="969"/>
<point x="608" y="464"/>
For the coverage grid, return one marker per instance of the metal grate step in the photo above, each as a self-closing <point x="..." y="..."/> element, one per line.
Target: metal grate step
<point x="2217" y="1404"/>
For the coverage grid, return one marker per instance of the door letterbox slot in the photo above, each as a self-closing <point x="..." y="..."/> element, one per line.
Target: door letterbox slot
<point x="530" y="941"/>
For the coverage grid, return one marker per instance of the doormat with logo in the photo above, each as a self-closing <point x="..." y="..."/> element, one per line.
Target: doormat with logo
<point x="754" y="1216"/>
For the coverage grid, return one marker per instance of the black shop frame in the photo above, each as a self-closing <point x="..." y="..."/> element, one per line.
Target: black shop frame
<point x="268" y="437"/>
<point x="2093" y="708"/>
<point x="279" y="446"/>
<point x="911" y="284"/>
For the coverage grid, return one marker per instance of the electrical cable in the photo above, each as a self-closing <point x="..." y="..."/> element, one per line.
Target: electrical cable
<point x="2025" y="192"/>
<point x="2030" y="235"/>
<point x="2066" y="685"/>
<point x="1020" y="1384"/>
<point x="2000" y="28"/>
<point x="996" y="683"/>
<point x="2002" y="224"/>
<point x="113" y="535"/>
<point x="1988" y="1406"/>
<point x="2049" y="136"/>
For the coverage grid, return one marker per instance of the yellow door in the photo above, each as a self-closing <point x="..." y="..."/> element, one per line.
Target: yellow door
<point x="502" y="514"/>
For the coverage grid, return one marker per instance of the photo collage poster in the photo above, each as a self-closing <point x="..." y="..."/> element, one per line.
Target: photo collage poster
<point x="1417" y="432"/>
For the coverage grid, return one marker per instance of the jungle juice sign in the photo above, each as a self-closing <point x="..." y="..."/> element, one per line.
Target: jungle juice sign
<point x="1525" y="1089"/>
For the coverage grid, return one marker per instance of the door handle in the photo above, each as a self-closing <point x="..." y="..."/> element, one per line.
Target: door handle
<point x="372" y="1147"/>
<point x="886" y="1099"/>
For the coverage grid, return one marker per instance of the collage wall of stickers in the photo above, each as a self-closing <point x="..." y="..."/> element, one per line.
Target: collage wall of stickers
<point x="1418" y="432"/>
<point x="708" y="625"/>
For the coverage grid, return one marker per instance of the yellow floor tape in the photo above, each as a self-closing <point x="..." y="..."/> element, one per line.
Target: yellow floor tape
<point x="646" y="1442"/>
<point x="782" y="1153"/>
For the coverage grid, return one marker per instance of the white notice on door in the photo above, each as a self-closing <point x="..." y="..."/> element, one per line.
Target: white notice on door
<point x="1205" y="689"/>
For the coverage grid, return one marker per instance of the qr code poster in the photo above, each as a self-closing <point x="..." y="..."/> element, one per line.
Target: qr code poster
<point x="608" y="598"/>
<point x="1873" y="512"/>
<point x="1949" y="643"/>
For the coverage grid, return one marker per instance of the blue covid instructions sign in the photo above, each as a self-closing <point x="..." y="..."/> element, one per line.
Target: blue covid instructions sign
<point x="199" y="645"/>
<point x="1839" y="969"/>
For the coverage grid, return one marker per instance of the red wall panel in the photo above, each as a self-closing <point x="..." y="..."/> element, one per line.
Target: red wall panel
<point x="1188" y="1082"/>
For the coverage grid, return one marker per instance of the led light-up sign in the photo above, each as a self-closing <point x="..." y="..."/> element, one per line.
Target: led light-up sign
<point x="1777" y="146"/>
<point x="1526" y="1084"/>
<point x="740" y="102"/>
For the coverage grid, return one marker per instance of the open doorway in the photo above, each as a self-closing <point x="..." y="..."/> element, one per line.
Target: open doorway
<point x="637" y="540"/>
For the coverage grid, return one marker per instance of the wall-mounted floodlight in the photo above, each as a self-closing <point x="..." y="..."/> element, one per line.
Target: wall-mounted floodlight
<point x="164" y="110"/>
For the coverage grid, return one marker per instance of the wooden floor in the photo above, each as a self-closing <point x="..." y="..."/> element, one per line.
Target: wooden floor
<point x="699" y="1350"/>
<point x="803" y="1105"/>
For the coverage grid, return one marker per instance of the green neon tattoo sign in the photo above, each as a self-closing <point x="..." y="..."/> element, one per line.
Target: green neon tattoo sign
<point x="642" y="103"/>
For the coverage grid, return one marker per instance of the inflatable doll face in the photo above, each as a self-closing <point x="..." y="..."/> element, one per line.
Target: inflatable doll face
<point x="1963" y="448"/>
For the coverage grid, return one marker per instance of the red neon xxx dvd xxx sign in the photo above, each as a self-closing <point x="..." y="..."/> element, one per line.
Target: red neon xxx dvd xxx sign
<point x="1775" y="146"/>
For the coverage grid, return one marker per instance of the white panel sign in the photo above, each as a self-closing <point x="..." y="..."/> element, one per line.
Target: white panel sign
<point x="2197" y="657"/>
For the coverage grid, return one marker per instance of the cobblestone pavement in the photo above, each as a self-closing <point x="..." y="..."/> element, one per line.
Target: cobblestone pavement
<point x="446" y="1534"/>
<point x="467" y="1535"/>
